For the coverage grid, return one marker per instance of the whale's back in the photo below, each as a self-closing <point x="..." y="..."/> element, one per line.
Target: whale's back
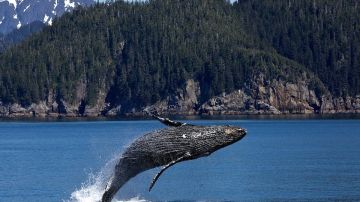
<point x="162" y="146"/>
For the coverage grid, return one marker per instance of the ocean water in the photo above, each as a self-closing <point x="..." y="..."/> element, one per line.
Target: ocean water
<point x="279" y="160"/>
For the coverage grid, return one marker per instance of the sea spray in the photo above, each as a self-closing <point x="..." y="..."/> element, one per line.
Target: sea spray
<point x="93" y="189"/>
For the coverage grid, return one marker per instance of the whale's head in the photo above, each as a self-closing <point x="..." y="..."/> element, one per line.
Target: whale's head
<point x="229" y="135"/>
<point x="214" y="138"/>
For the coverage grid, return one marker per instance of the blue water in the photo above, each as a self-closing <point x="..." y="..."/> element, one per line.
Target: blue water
<point x="279" y="160"/>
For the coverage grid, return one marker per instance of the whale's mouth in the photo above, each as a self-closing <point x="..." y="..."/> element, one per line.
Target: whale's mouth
<point x="235" y="133"/>
<point x="243" y="132"/>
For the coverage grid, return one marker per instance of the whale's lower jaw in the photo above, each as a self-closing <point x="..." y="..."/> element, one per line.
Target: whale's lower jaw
<point x="108" y="195"/>
<point x="111" y="191"/>
<point x="115" y="185"/>
<point x="126" y="169"/>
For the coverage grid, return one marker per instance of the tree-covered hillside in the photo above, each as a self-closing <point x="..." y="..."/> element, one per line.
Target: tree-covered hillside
<point x="19" y="35"/>
<point x="140" y="53"/>
<point x="323" y="35"/>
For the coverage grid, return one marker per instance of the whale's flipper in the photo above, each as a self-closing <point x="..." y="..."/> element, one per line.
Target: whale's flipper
<point x="166" y="167"/>
<point x="165" y="121"/>
<point x="169" y="122"/>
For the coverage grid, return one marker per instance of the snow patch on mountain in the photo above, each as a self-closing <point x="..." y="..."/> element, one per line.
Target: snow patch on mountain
<point x="55" y="6"/>
<point x="18" y="25"/>
<point x="68" y="5"/>
<point x="27" y="7"/>
<point x="13" y="2"/>
<point x="45" y="18"/>
<point x="50" y="22"/>
<point x="17" y="13"/>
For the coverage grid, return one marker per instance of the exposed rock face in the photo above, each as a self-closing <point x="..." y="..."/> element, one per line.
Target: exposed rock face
<point x="260" y="96"/>
<point x="4" y="111"/>
<point x="332" y="105"/>
<point x="114" y="111"/>
<point x="98" y="108"/>
<point x="237" y="102"/>
<point x="57" y="108"/>
<point x="265" y="97"/>
<point x="184" y="102"/>
<point x="17" y="109"/>
<point x="39" y="110"/>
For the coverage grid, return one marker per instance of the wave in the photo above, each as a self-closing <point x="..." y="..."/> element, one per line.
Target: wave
<point x="93" y="189"/>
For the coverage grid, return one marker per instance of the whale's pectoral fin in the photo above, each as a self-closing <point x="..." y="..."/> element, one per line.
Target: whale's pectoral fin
<point x="165" y="121"/>
<point x="186" y="155"/>
<point x="169" y="122"/>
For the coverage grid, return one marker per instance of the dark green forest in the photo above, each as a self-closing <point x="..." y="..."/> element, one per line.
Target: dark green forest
<point x="322" y="35"/>
<point x="19" y="35"/>
<point x="138" y="53"/>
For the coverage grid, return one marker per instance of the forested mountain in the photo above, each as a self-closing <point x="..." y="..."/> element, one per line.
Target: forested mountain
<point x="126" y="56"/>
<point x="18" y="35"/>
<point x="322" y="35"/>
<point x="21" y="18"/>
<point x="17" y="13"/>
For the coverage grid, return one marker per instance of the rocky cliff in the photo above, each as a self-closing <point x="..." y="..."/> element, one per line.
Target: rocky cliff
<point x="259" y="96"/>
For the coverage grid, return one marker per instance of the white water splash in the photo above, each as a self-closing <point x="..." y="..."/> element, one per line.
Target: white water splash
<point x="135" y="199"/>
<point x="94" y="188"/>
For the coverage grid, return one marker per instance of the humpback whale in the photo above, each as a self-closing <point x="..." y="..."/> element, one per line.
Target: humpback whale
<point x="176" y="143"/>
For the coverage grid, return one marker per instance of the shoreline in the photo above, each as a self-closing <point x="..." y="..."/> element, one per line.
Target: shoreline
<point x="337" y="116"/>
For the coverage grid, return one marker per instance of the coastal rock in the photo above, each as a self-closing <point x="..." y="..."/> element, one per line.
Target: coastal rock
<point x="4" y="110"/>
<point x="114" y="111"/>
<point x="327" y="105"/>
<point x="356" y="103"/>
<point x="259" y="96"/>
<point x="54" y="107"/>
<point x="66" y="109"/>
<point x="293" y="97"/>
<point x="98" y="108"/>
<point x="16" y="110"/>
<point x="236" y="102"/>
<point x="265" y="97"/>
<point x="346" y="104"/>
<point x="40" y="110"/>
<point x="183" y="102"/>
